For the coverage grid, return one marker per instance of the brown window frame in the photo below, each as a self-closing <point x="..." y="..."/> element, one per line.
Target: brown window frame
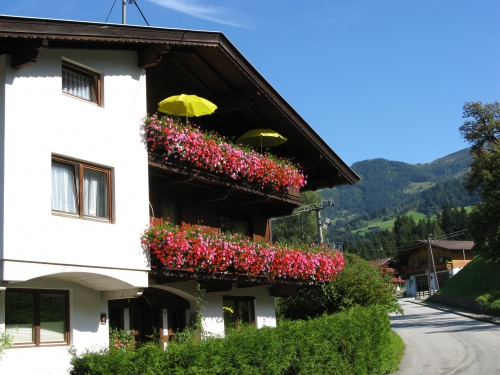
<point x="78" y="168"/>
<point x="36" y="316"/>
<point x="94" y="77"/>
<point x="251" y="308"/>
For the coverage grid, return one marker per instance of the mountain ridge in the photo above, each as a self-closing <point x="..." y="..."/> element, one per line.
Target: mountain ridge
<point x="390" y="188"/>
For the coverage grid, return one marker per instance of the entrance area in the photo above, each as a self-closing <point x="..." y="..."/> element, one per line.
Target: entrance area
<point x="149" y="314"/>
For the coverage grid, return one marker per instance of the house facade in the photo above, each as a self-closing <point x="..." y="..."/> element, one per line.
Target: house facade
<point x="76" y="161"/>
<point x="416" y="268"/>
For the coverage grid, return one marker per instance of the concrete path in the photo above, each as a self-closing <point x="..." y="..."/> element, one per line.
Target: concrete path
<point x="446" y="342"/>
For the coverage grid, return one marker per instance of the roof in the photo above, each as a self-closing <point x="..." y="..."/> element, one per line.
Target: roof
<point x="194" y="62"/>
<point x="440" y="244"/>
<point x="452" y="245"/>
<point x="379" y="262"/>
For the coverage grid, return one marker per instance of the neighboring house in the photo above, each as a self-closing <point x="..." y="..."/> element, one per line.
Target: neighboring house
<point x="387" y="267"/>
<point x="414" y="264"/>
<point x="384" y="265"/>
<point x="72" y="96"/>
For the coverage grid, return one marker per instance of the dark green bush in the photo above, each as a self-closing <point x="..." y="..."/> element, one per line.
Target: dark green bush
<point x="357" y="341"/>
<point x="359" y="284"/>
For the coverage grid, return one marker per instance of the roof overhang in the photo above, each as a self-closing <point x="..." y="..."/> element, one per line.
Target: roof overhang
<point x="194" y="62"/>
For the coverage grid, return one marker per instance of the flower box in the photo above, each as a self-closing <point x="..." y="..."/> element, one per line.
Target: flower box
<point x="195" y="250"/>
<point x="209" y="152"/>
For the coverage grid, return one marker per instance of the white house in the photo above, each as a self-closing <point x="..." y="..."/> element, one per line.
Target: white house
<point x="78" y="186"/>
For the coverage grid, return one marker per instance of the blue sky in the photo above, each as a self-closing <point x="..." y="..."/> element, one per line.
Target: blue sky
<point x="375" y="79"/>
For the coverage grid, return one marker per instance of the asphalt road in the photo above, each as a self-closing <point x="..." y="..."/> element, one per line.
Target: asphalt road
<point x="439" y="342"/>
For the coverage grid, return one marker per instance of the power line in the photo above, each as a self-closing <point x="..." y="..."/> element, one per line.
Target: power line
<point x="137" y="5"/>
<point x="112" y="6"/>
<point x="411" y="246"/>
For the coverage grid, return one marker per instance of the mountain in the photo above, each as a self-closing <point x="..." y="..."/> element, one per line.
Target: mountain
<point x="389" y="188"/>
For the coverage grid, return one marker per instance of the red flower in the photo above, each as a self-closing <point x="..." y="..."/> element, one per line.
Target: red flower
<point x="197" y="250"/>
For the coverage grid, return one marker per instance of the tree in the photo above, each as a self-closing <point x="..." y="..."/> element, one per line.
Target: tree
<point x="483" y="132"/>
<point x="299" y="228"/>
<point x="359" y="284"/>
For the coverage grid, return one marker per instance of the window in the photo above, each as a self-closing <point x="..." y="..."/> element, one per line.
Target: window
<point x="238" y="311"/>
<point x="81" y="190"/>
<point x="37" y="317"/>
<point x="234" y="225"/>
<point x="169" y="212"/>
<point x="80" y="82"/>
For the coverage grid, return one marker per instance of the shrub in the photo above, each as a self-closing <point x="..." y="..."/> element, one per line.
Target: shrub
<point x="359" y="284"/>
<point x="358" y="341"/>
<point x="6" y="341"/>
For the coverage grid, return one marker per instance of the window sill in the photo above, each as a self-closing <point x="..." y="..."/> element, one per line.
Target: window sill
<point x="44" y="345"/>
<point x="75" y="216"/>
<point x="81" y="99"/>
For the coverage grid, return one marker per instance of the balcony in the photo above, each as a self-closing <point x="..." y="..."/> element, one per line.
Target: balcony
<point x="421" y="267"/>
<point x="189" y="154"/>
<point x="172" y="172"/>
<point x="194" y="253"/>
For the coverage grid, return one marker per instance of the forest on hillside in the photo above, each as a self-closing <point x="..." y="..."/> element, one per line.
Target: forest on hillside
<point x="388" y="190"/>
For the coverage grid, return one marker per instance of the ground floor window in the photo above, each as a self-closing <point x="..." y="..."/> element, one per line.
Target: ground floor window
<point x="238" y="311"/>
<point x="443" y="278"/>
<point x="37" y="317"/>
<point x="422" y="283"/>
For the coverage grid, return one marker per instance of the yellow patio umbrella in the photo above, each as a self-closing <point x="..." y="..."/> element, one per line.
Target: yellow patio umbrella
<point x="262" y="138"/>
<point x="186" y="105"/>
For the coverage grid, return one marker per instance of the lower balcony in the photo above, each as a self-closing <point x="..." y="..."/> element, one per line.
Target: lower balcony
<point x="179" y="254"/>
<point x="422" y="267"/>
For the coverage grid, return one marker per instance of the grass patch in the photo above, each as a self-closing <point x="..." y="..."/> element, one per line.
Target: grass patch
<point x="418" y="187"/>
<point x="479" y="281"/>
<point x="398" y="350"/>
<point x="389" y="224"/>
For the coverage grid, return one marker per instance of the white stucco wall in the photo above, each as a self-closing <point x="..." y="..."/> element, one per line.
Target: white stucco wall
<point x="212" y="312"/>
<point x="86" y="332"/>
<point x="411" y="286"/>
<point x="41" y="121"/>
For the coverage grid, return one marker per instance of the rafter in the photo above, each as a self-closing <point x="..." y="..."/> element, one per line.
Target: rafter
<point x="26" y="53"/>
<point x="152" y="55"/>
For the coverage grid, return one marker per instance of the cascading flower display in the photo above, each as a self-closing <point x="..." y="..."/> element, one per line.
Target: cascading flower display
<point x="196" y="250"/>
<point x="215" y="154"/>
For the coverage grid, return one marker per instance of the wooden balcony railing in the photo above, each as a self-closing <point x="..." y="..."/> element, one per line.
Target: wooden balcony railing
<point x="422" y="267"/>
<point x="192" y="173"/>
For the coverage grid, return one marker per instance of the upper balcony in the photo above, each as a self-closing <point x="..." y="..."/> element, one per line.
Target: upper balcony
<point x="180" y="154"/>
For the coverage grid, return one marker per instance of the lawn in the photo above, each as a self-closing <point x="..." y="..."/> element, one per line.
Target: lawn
<point x="389" y="224"/>
<point x="417" y="187"/>
<point x="479" y="281"/>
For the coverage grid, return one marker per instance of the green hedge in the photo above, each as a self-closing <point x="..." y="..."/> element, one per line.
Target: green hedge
<point x="357" y="341"/>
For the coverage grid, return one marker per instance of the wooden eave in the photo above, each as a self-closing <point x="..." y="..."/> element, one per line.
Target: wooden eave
<point x="195" y="62"/>
<point x="169" y="276"/>
<point x="209" y="187"/>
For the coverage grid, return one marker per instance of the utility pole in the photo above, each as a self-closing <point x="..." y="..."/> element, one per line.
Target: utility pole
<point x="429" y="266"/>
<point x="318" y="221"/>
<point x="316" y="208"/>
<point x="431" y="257"/>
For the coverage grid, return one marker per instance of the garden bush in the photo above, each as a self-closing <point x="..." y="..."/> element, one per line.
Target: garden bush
<point x="359" y="284"/>
<point x="357" y="341"/>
